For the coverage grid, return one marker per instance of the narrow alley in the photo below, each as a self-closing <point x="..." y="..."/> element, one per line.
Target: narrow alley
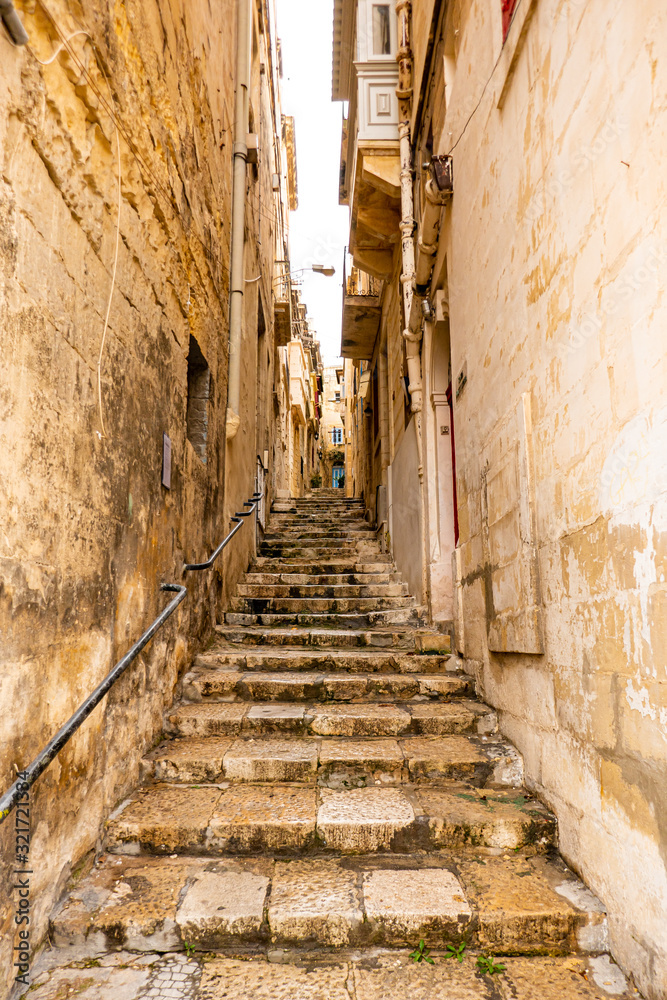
<point x="332" y="640"/>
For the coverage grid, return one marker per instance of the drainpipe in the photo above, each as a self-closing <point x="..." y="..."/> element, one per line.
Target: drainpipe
<point x="12" y="23"/>
<point x="412" y="337"/>
<point x="407" y="224"/>
<point x="236" y="267"/>
<point x="427" y="244"/>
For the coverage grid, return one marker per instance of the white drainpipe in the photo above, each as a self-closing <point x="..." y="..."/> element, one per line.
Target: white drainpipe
<point x="412" y="337"/>
<point x="427" y="244"/>
<point x="236" y="267"/>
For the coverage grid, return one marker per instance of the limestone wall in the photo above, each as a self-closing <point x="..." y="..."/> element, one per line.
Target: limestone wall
<point x="87" y="531"/>
<point x="557" y="259"/>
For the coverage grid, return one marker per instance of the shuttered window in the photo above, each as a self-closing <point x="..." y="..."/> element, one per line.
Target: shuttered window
<point x="509" y="6"/>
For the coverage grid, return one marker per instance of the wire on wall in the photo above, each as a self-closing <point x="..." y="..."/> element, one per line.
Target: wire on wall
<point x="47" y="62"/>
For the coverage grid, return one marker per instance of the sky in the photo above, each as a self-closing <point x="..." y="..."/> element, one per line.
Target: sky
<point x="319" y="227"/>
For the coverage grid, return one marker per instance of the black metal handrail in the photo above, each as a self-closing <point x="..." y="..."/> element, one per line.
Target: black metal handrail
<point x="30" y="774"/>
<point x="238" y="521"/>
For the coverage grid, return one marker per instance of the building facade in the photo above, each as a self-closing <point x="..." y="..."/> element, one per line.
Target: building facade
<point x="335" y="448"/>
<point x="506" y="302"/>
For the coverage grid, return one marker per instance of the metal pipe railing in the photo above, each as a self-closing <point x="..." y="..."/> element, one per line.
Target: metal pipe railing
<point x="238" y="520"/>
<point x="30" y="774"/>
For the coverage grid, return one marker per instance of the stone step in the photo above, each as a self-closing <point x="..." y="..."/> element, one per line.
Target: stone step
<point x="324" y="519"/>
<point x="292" y="531"/>
<point x="300" y="819"/>
<point x="505" y="905"/>
<point x="402" y="638"/>
<point x="289" y="974"/>
<point x="319" y="526"/>
<point x="332" y="619"/>
<point x="313" y="718"/>
<point x="332" y="592"/>
<point x="320" y="549"/>
<point x="317" y="605"/>
<point x="297" y="658"/>
<point x="380" y="564"/>
<point x="206" y="682"/>
<point x="335" y="762"/>
<point x="321" y="579"/>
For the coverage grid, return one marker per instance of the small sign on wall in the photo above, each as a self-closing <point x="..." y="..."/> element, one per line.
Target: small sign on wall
<point x="166" y="461"/>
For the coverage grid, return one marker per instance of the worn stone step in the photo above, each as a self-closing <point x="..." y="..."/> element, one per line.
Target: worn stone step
<point x="345" y="520"/>
<point x="335" y="762"/>
<point x="333" y="619"/>
<point x="210" y="683"/>
<point x="380" y="564"/>
<point x="320" y="551"/>
<point x="310" y="530"/>
<point x="320" y="579"/>
<point x="321" y="544"/>
<point x="288" y="973"/>
<point x="339" y="605"/>
<point x="301" y="819"/>
<point x="312" y="590"/>
<point x="305" y="658"/>
<point x="146" y="904"/>
<point x="358" y="719"/>
<point x="334" y="639"/>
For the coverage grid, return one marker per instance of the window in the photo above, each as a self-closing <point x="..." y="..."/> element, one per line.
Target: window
<point x="199" y="389"/>
<point x="337" y="435"/>
<point x="509" y="7"/>
<point x="337" y="397"/>
<point x="381" y="30"/>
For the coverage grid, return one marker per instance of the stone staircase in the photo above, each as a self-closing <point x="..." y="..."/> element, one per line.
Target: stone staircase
<point x="329" y="794"/>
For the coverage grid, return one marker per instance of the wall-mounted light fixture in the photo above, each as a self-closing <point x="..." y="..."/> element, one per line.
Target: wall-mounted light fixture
<point x="442" y="172"/>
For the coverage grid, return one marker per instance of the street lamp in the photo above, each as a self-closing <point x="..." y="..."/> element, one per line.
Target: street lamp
<point x="326" y="270"/>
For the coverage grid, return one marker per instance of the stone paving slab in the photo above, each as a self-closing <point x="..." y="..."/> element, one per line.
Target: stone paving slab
<point x="410" y="905"/>
<point x="188" y="760"/>
<point x="260" y="817"/>
<point x="503" y="904"/>
<point x="315" y="901"/>
<point x="61" y="973"/>
<point x="272" y="760"/>
<point x="460" y="815"/>
<point x="164" y="818"/>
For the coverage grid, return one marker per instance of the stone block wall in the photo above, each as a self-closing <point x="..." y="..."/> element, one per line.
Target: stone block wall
<point x="556" y="253"/>
<point x="87" y="530"/>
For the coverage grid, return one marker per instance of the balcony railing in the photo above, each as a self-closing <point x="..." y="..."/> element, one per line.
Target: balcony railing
<point x="360" y="283"/>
